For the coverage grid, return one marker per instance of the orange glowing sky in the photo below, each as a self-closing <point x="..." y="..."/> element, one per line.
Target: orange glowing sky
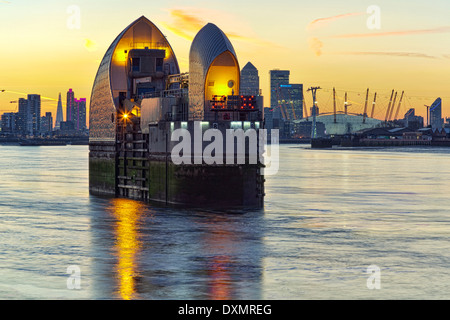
<point x="325" y="43"/>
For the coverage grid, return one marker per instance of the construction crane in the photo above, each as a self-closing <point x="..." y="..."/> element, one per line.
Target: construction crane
<point x="10" y="110"/>
<point x="365" y="106"/>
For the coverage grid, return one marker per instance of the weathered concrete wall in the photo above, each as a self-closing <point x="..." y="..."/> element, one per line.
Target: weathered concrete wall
<point x="206" y="186"/>
<point x="102" y="168"/>
<point x="153" y="176"/>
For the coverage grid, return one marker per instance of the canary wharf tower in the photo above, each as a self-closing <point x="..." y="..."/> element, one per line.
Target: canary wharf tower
<point x="139" y="98"/>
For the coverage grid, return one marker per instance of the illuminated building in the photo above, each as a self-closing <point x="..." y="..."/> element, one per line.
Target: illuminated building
<point x="80" y="114"/>
<point x="111" y="82"/>
<point x="70" y="105"/>
<point x="213" y="70"/>
<point x="290" y="98"/>
<point x="8" y="122"/>
<point x="139" y="97"/>
<point x="34" y="109"/>
<point x="112" y="85"/>
<point x="277" y="78"/>
<point x="47" y="123"/>
<point x="24" y="117"/>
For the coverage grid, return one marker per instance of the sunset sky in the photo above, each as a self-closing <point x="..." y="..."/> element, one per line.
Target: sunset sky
<point x="46" y="50"/>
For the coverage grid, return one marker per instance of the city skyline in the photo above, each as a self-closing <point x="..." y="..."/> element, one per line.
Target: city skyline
<point x="322" y="44"/>
<point x="29" y="120"/>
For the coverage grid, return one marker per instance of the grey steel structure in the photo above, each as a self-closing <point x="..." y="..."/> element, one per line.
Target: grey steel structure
<point x="213" y="70"/>
<point x="139" y="98"/>
<point x="112" y="79"/>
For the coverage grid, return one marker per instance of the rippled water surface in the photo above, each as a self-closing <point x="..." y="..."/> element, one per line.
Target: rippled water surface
<point x="328" y="216"/>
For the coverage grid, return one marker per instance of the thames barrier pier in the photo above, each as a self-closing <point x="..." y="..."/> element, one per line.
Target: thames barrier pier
<point x="139" y="98"/>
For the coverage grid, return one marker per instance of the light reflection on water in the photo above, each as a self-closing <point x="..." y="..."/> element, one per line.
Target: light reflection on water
<point x="127" y="214"/>
<point x="328" y="215"/>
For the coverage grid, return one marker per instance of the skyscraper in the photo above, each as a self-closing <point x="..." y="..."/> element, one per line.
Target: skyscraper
<point x="80" y="114"/>
<point x="249" y="80"/>
<point x="34" y="109"/>
<point x="47" y="123"/>
<point x="8" y="122"/>
<point x="411" y="121"/>
<point x="277" y="78"/>
<point x="24" y="117"/>
<point x="436" y="120"/>
<point x="290" y="98"/>
<point x="59" y="113"/>
<point x="70" y="105"/>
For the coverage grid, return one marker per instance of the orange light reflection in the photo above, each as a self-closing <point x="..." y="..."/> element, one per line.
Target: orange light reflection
<point x="220" y="242"/>
<point x="127" y="212"/>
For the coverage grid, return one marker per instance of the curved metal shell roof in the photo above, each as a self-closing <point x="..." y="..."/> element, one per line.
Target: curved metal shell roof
<point x="208" y="44"/>
<point x="102" y="111"/>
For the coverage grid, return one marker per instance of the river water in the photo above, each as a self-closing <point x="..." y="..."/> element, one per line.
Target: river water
<point x="331" y="217"/>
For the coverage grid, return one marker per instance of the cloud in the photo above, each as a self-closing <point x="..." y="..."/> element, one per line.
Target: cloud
<point x="186" y="25"/>
<point x="394" y="54"/>
<point x="393" y="33"/>
<point x="325" y="21"/>
<point x="316" y="45"/>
